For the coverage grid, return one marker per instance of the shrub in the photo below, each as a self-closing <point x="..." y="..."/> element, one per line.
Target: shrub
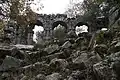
<point x="59" y="33"/>
<point x="100" y="38"/>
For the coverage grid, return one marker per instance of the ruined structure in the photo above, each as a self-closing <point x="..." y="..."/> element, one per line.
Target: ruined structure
<point x="80" y="60"/>
<point x="49" y="22"/>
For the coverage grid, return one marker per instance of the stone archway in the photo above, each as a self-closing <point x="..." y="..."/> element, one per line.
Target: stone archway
<point x="39" y="23"/>
<point x="81" y="27"/>
<point x="81" y="23"/>
<point x="59" y="30"/>
<point x="38" y="31"/>
<point x="55" y="24"/>
<point x="32" y="31"/>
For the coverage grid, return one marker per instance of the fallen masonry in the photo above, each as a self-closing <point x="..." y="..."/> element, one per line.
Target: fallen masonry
<point x="85" y="57"/>
<point x="68" y="61"/>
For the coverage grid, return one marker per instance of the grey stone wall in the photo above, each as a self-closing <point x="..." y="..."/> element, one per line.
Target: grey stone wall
<point x="49" y="22"/>
<point x="114" y="16"/>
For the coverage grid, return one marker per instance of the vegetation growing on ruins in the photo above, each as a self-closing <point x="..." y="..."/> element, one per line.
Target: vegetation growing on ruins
<point x="17" y="10"/>
<point x="59" y="53"/>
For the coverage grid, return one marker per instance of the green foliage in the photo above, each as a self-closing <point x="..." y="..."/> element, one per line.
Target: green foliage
<point x="59" y="32"/>
<point x="110" y="2"/>
<point x="74" y="9"/>
<point x="21" y="12"/>
<point x="90" y="9"/>
<point x="1" y="27"/>
<point x="100" y="39"/>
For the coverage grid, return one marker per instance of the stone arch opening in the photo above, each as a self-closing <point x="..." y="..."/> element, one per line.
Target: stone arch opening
<point x="38" y="30"/>
<point x="59" y="31"/>
<point x="55" y="24"/>
<point x="39" y="23"/>
<point x="81" y="27"/>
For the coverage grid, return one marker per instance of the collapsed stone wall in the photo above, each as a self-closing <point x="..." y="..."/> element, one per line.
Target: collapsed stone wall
<point x="70" y="61"/>
<point x="49" y="22"/>
<point x="114" y="16"/>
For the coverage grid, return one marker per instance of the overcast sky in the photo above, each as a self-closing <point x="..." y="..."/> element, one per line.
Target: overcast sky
<point x="52" y="6"/>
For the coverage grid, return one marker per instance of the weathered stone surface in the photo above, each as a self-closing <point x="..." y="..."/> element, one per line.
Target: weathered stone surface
<point x="103" y="72"/>
<point x="50" y="57"/>
<point x="118" y="44"/>
<point x="94" y="59"/>
<point x="38" y="67"/>
<point x="5" y="50"/>
<point x="58" y="64"/>
<point x="71" y="78"/>
<point x="36" y="56"/>
<point x="65" y="53"/>
<point x="75" y="54"/>
<point x="77" y="66"/>
<point x="113" y="43"/>
<point x="78" y="62"/>
<point x="114" y="62"/>
<point x="71" y="34"/>
<point x="24" y="78"/>
<point x="114" y="15"/>
<point x="117" y="47"/>
<point x="51" y="48"/>
<point x="101" y="49"/>
<point x="40" y="77"/>
<point x="39" y="46"/>
<point x="24" y="47"/>
<point x="54" y="76"/>
<point x="10" y="62"/>
<point x="5" y="75"/>
<point x="116" y="68"/>
<point x="19" y="54"/>
<point x="82" y="58"/>
<point x="76" y="75"/>
<point x="66" y="45"/>
<point x="79" y="40"/>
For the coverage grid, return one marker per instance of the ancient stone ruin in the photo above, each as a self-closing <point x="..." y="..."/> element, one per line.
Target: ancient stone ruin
<point x="49" y="22"/>
<point x="94" y="55"/>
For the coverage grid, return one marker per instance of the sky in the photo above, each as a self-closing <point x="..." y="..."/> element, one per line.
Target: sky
<point x="37" y="29"/>
<point x="52" y="6"/>
<point x="81" y="29"/>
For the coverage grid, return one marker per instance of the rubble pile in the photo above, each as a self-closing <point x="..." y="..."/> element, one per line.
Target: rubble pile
<point x="81" y="59"/>
<point x="88" y="56"/>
